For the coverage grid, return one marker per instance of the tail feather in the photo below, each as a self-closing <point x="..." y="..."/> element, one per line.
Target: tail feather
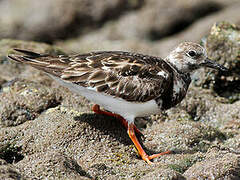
<point x="27" y="59"/>
<point x="39" y="61"/>
<point x="29" y="53"/>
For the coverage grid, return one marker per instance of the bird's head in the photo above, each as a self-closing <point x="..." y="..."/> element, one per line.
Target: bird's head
<point x="188" y="56"/>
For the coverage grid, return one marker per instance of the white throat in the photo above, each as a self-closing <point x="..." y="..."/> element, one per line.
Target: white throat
<point x="180" y="64"/>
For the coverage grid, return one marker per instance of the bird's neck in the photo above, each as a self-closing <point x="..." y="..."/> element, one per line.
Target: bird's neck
<point x="177" y="63"/>
<point x="176" y="92"/>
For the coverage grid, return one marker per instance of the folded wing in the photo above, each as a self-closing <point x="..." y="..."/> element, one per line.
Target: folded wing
<point x="131" y="76"/>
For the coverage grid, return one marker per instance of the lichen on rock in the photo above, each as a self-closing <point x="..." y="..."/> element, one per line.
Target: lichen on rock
<point x="223" y="46"/>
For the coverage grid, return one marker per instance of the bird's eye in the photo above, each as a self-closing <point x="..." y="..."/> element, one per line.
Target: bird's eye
<point x="192" y="53"/>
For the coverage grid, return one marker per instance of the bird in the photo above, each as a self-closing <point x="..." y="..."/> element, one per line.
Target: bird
<point x="125" y="84"/>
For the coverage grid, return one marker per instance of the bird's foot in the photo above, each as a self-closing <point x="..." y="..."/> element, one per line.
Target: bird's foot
<point x="132" y="129"/>
<point x="141" y="151"/>
<point x="147" y="158"/>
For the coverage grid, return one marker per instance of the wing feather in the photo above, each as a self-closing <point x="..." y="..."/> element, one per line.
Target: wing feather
<point x="131" y="76"/>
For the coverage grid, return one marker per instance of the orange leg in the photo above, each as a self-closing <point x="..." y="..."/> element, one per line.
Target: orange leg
<point x="97" y="110"/>
<point x="131" y="129"/>
<point x="141" y="152"/>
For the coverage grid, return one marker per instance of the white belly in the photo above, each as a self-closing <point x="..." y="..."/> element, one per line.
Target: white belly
<point x="128" y="110"/>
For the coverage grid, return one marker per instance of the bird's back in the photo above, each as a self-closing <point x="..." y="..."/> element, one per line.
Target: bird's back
<point x="130" y="76"/>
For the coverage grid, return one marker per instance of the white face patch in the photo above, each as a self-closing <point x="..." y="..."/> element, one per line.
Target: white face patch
<point x="184" y="62"/>
<point x="190" y="60"/>
<point x="171" y="58"/>
<point x="178" y="49"/>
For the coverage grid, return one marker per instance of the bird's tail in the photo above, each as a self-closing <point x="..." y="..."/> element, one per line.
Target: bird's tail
<point x="44" y="62"/>
<point x="29" y="57"/>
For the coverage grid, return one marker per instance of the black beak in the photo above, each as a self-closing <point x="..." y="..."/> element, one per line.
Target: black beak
<point x="213" y="64"/>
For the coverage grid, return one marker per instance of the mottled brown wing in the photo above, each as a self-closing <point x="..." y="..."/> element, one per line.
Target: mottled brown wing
<point x="51" y="64"/>
<point x="133" y="77"/>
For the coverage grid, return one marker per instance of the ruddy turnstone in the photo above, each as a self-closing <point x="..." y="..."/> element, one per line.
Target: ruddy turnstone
<point x="127" y="85"/>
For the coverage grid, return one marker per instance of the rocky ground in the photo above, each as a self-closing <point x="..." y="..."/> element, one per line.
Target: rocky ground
<point x="48" y="132"/>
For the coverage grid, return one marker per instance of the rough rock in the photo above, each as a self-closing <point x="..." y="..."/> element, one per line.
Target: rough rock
<point x="10" y="172"/>
<point x="101" y="148"/>
<point x="140" y="24"/>
<point x="223" y="44"/>
<point x="66" y="140"/>
<point x="182" y="136"/>
<point x="9" y="70"/>
<point x="216" y="165"/>
<point x="51" y="165"/>
<point x="158" y="19"/>
<point x="22" y="101"/>
<point x="56" y="19"/>
<point x="198" y="30"/>
<point x="233" y="143"/>
<point x="2" y="81"/>
<point x="163" y="173"/>
<point x="205" y="106"/>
